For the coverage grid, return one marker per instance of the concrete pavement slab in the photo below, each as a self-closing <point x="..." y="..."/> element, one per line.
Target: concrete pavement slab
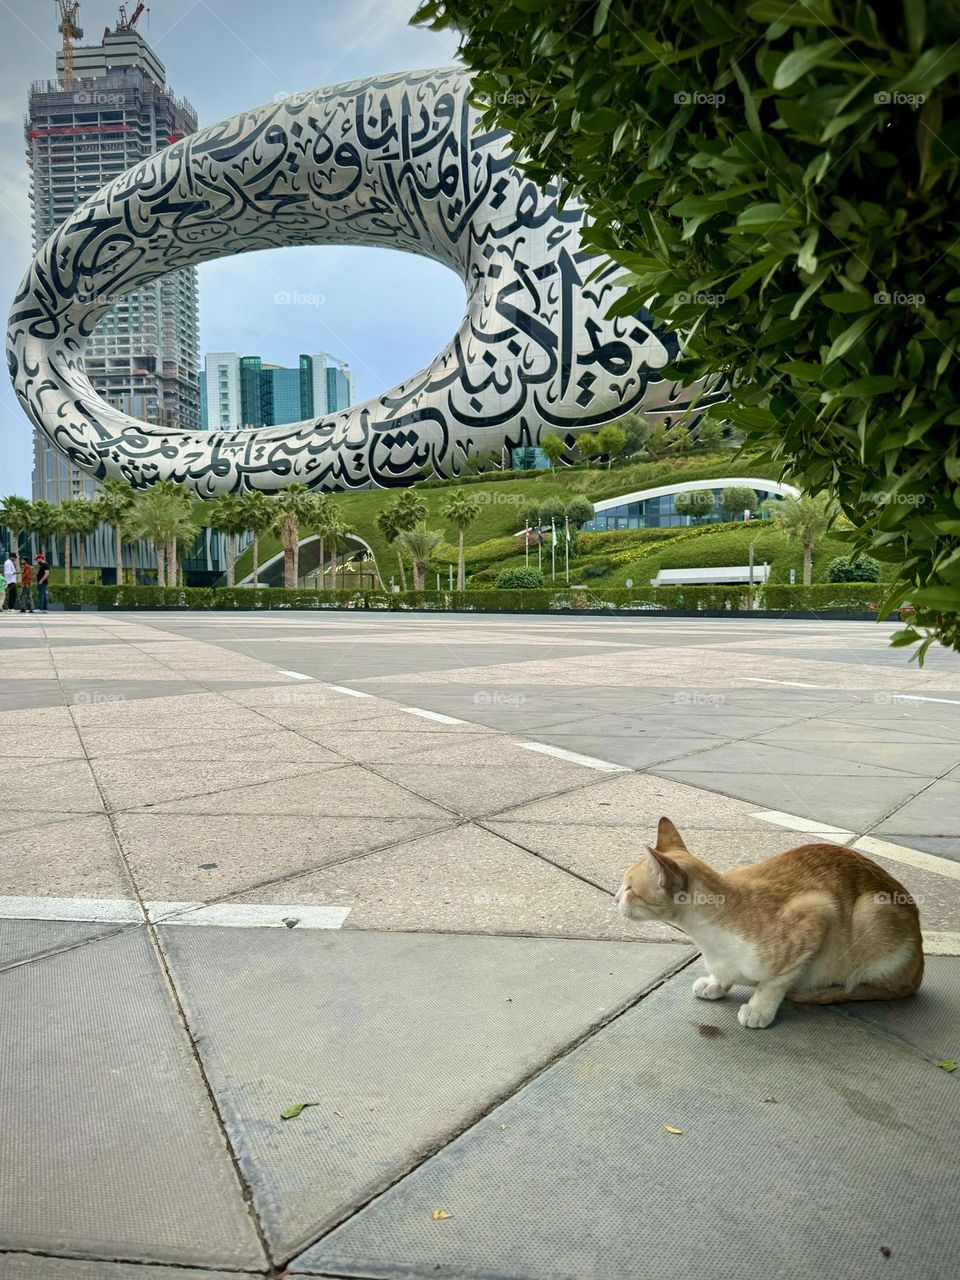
<point x="111" y="1146"/>
<point x="465" y="880"/>
<point x="401" y="1040"/>
<point x="936" y="812"/>
<point x="577" y="1175"/>
<point x="942" y="846"/>
<point x="76" y="857"/>
<point x="474" y="790"/>
<point x="130" y="782"/>
<point x="26" y="1266"/>
<point x="930" y="1022"/>
<point x="204" y="857"/>
<point x="831" y="799"/>
<point x="343" y="791"/>
<point x="765" y="757"/>
<point x="67" y="785"/>
<point x="22" y="939"/>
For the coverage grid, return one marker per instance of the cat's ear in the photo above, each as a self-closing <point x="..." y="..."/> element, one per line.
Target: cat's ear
<point x="668" y="837"/>
<point x="669" y="876"/>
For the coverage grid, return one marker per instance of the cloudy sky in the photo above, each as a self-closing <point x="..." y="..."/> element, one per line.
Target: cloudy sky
<point x="386" y="313"/>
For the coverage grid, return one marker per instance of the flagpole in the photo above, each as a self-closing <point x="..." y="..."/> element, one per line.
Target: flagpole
<point x="553" y="550"/>
<point x="566" y="545"/>
<point x="540" y="549"/>
<point x="526" y="546"/>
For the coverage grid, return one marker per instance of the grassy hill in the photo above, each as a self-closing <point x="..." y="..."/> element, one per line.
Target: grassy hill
<point x="488" y="539"/>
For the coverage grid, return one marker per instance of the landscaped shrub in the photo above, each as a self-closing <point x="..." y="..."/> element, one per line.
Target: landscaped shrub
<point x="853" y="569"/>
<point x="519" y="579"/>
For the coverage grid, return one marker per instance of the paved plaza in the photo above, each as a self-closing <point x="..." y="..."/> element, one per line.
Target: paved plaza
<point x="366" y="862"/>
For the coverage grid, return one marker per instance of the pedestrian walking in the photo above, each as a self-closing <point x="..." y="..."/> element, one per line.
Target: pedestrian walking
<point x="43" y="577"/>
<point x="10" y="581"/>
<point x="26" y="587"/>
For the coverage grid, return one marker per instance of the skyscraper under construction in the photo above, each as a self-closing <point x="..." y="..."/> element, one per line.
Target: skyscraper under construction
<point x="108" y="108"/>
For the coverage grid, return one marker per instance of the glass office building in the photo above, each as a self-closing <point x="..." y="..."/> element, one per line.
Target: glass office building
<point x="657" y="511"/>
<point x="244" y="391"/>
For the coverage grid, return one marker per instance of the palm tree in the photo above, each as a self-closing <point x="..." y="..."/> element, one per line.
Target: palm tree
<point x="258" y="515"/>
<point x="420" y="543"/>
<point x="17" y="515"/>
<point x="390" y="530"/>
<point x="43" y="521"/>
<point x="229" y="516"/>
<point x="462" y="510"/>
<point x="409" y="510"/>
<point x="804" y="519"/>
<point x="112" y="504"/>
<point x="293" y="506"/>
<point x="163" y="514"/>
<point x="339" y="537"/>
<point x="76" y="518"/>
<point x="324" y="522"/>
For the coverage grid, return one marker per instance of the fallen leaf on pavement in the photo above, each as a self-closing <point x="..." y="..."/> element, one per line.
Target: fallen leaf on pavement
<point x="338" y="1113"/>
<point x="438" y="1215"/>
<point x="291" y="1113"/>
<point x="670" y="1129"/>
<point x="947" y="1065"/>
<point x="770" y="1099"/>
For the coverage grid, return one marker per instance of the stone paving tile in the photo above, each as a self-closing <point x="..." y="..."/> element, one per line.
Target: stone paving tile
<point x="603" y="853"/>
<point x="907" y="755"/>
<point x="132" y="782"/>
<point x="111" y="1146"/>
<point x="473" y="790"/>
<point x="936" y="812"/>
<point x="276" y="745"/>
<point x="753" y="757"/>
<point x="188" y="708"/>
<point x="379" y="746"/>
<point x="827" y="798"/>
<point x="26" y="939"/>
<point x="464" y="880"/>
<point x="329" y="793"/>
<point x="67" y="785"/>
<point x="27" y="1266"/>
<point x="74" y="858"/>
<point x="283" y="1016"/>
<point x="212" y="856"/>
<point x="54" y="717"/>
<point x="53" y="743"/>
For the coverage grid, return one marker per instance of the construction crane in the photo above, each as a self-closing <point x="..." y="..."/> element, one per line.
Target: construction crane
<point x="127" y="24"/>
<point x="71" y="30"/>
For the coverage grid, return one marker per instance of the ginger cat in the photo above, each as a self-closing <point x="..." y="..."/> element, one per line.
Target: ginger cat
<point x="820" y="924"/>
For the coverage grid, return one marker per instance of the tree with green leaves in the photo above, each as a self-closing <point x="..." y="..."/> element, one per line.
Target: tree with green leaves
<point x="77" y="519"/>
<point x="390" y="532"/>
<point x="113" y="502"/>
<point x="294" y="505"/>
<point x="228" y="515"/>
<point x="163" y="515"/>
<point x="588" y="446"/>
<point x="461" y="510"/>
<point x="612" y="441"/>
<point x="420" y="544"/>
<point x="696" y="503"/>
<point x="636" y="430"/>
<point x="779" y="180"/>
<point x="44" y="523"/>
<point x="579" y="511"/>
<point x="735" y="500"/>
<point x="804" y="519"/>
<point x="409" y="510"/>
<point x="258" y="515"/>
<point x="16" y="514"/>
<point x="553" y="447"/>
<point x="325" y="521"/>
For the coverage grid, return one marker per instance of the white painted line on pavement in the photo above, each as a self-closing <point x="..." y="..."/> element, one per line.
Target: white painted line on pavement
<point x="354" y="693"/>
<point x="941" y="944"/>
<point x="91" y="910"/>
<point x="919" y="697"/>
<point x="432" y="715"/>
<point x="909" y="857"/>
<point x="297" y="675"/>
<point x="242" y="915"/>
<point x="591" y="762"/>
<point x="806" y="825"/>
<point x="795" y="684"/>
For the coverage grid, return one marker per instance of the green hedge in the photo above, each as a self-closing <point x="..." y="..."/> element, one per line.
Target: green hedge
<point x="856" y="597"/>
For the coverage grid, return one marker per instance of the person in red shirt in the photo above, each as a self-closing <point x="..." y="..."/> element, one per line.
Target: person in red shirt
<point x="26" y="587"/>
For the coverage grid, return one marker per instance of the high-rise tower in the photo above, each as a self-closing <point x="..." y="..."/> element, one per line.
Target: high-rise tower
<point x="108" y="108"/>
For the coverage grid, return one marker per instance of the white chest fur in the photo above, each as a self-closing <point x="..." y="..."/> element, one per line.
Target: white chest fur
<point x="729" y="957"/>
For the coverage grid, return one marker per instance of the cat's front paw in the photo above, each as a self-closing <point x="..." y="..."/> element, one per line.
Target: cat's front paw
<point x="756" y="1014"/>
<point x="709" y="988"/>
